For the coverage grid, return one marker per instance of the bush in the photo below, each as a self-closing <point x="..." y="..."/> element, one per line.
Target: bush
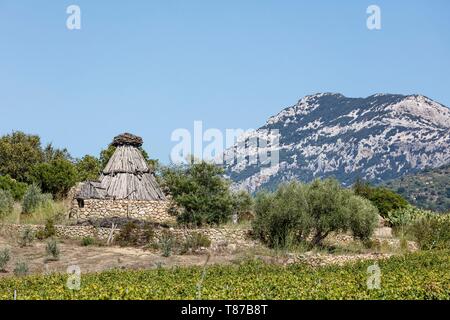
<point x="33" y="199"/>
<point x="48" y="231"/>
<point x="166" y="243"/>
<point x="363" y="217"/>
<point x="21" y="269"/>
<point x="19" y="152"/>
<point x="242" y="204"/>
<point x="87" y="241"/>
<point x="384" y="199"/>
<point x="17" y="189"/>
<point x="288" y="216"/>
<point x="6" y="203"/>
<point x="55" y="177"/>
<point x="200" y="194"/>
<point x="88" y="168"/>
<point x="4" y="259"/>
<point x="431" y="231"/>
<point x="128" y="235"/>
<point x="26" y="237"/>
<point x="282" y="218"/>
<point x="52" y="249"/>
<point x="195" y="241"/>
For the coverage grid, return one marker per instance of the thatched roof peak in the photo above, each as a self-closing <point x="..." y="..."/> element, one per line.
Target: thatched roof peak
<point x="127" y="139"/>
<point x="126" y="175"/>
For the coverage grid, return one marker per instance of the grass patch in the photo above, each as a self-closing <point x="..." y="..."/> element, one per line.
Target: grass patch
<point x="55" y="210"/>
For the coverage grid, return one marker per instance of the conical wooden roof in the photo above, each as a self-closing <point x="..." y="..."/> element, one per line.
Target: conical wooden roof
<point x="127" y="174"/>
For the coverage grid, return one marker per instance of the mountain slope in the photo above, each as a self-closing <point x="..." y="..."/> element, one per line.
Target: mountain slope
<point x="428" y="189"/>
<point x="377" y="138"/>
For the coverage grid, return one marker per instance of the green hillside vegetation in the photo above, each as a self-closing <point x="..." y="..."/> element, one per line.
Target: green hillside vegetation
<point x="428" y="189"/>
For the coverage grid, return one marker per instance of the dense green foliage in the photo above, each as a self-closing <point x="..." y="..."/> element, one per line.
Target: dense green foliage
<point x="16" y="188"/>
<point x="422" y="275"/>
<point x="282" y="218"/>
<point x="289" y="215"/>
<point x="6" y="203"/>
<point x="430" y="230"/>
<point x="19" y="152"/>
<point x="428" y="189"/>
<point x="55" y="177"/>
<point x="88" y="168"/>
<point x="384" y="199"/>
<point x="201" y="195"/>
<point x="242" y="204"/>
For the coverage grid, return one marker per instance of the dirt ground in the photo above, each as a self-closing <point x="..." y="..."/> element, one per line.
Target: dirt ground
<point x="96" y="258"/>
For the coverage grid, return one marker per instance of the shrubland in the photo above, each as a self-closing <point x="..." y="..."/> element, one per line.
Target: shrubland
<point x="298" y="213"/>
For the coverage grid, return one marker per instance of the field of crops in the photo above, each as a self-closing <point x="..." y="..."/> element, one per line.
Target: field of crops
<point x="422" y="275"/>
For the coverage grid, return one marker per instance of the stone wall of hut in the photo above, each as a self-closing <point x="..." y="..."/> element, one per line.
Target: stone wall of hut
<point x="152" y="211"/>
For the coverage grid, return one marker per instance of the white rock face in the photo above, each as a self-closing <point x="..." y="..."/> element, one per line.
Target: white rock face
<point x="376" y="138"/>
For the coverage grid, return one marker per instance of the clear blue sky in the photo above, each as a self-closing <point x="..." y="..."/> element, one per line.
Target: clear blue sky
<point x="149" y="67"/>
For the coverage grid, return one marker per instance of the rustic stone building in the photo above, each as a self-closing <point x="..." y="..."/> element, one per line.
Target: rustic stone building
<point x="126" y="188"/>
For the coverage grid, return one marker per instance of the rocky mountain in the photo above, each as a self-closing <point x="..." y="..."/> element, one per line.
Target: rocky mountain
<point x="428" y="189"/>
<point x="378" y="138"/>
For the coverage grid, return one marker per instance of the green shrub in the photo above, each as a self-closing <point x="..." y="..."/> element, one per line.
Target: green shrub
<point x="34" y="198"/>
<point x="363" y="217"/>
<point x="6" y="203"/>
<point x="87" y="241"/>
<point x="55" y="177"/>
<point x="166" y="243"/>
<point x="335" y="209"/>
<point x="384" y="199"/>
<point x="431" y="231"/>
<point x="21" y="269"/>
<point x="88" y="168"/>
<point x="4" y="259"/>
<point x="19" y="152"/>
<point x="242" y="204"/>
<point x="26" y="237"/>
<point x="403" y="217"/>
<point x="282" y="218"/>
<point x="195" y="241"/>
<point x="288" y="216"/>
<point x="48" y="231"/>
<point x="129" y="235"/>
<point x="52" y="249"/>
<point x="200" y="194"/>
<point x="17" y="189"/>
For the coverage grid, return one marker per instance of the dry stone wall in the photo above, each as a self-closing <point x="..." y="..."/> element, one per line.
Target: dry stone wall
<point x="153" y="211"/>
<point x="61" y="231"/>
<point x="218" y="236"/>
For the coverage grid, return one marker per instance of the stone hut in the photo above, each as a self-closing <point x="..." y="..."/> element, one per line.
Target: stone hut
<point x="126" y="188"/>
